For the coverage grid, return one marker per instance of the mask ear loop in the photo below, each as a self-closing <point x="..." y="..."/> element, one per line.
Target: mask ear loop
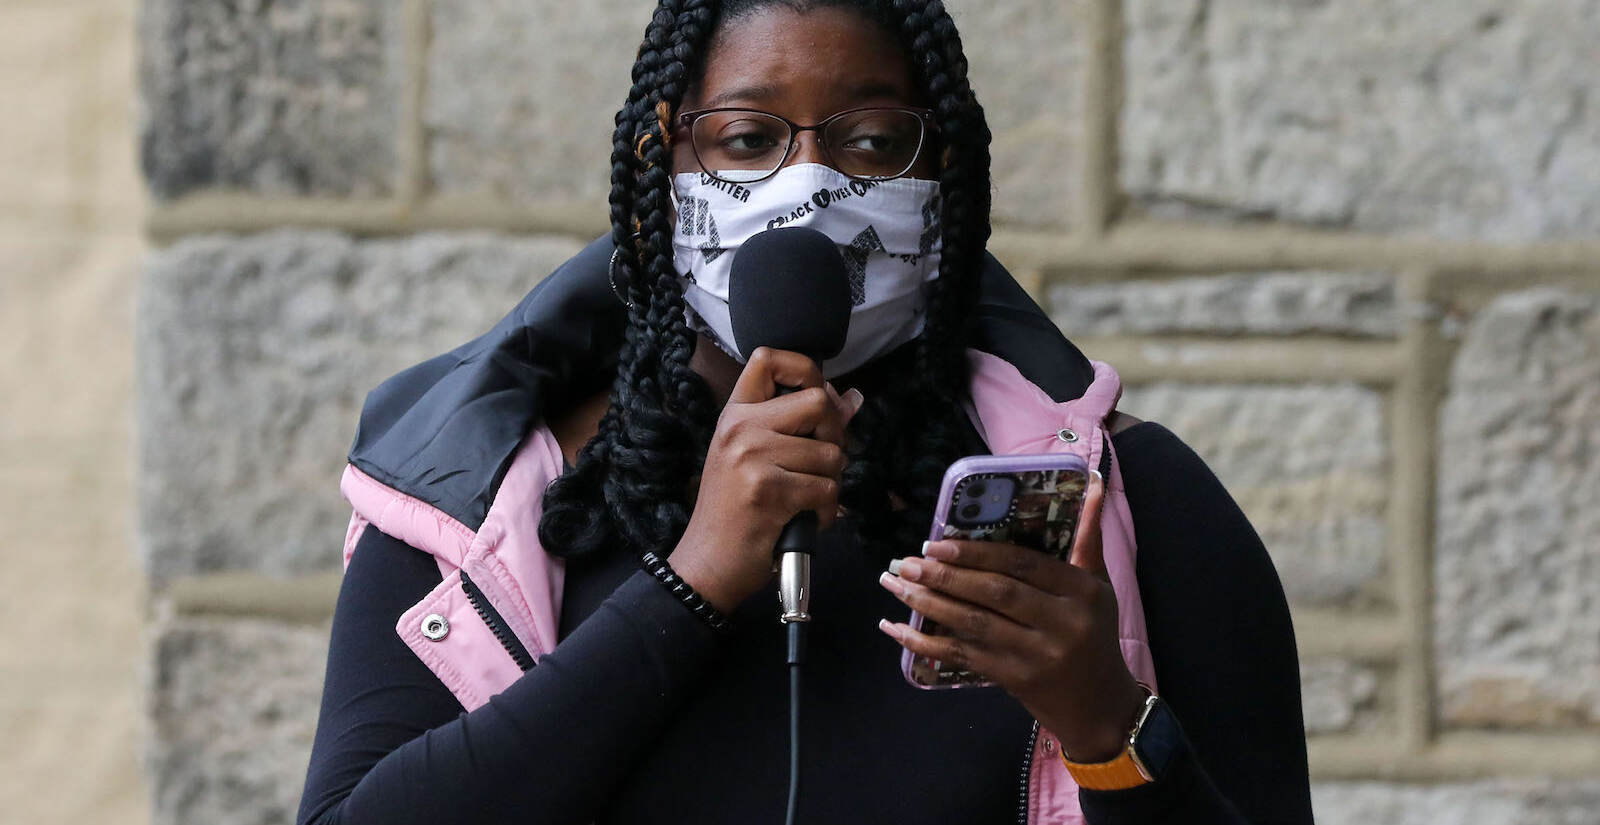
<point x="611" y="276"/>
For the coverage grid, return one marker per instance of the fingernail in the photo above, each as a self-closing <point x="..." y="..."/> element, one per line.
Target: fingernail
<point x="940" y="550"/>
<point x="855" y="398"/>
<point x="886" y="627"/>
<point x="910" y="570"/>
<point x="1095" y="474"/>
<point x="891" y="584"/>
<point x="832" y="391"/>
<point x="894" y="567"/>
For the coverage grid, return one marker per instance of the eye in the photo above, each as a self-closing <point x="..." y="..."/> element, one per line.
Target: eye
<point x="751" y="140"/>
<point x="875" y="134"/>
<point x="743" y="136"/>
<point x="872" y="143"/>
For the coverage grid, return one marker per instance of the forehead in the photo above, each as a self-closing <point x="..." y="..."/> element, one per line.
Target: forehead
<point x="803" y="64"/>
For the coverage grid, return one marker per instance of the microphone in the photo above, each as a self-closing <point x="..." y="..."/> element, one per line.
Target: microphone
<point x="789" y="289"/>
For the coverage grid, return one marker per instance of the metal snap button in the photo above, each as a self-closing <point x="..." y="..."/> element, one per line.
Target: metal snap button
<point x="1067" y="435"/>
<point x="1049" y="746"/>
<point x="435" y="627"/>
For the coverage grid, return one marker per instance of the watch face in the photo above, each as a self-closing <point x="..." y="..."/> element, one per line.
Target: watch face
<point x="1159" y="740"/>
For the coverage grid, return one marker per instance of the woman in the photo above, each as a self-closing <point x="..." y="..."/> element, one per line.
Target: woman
<point x="592" y="694"/>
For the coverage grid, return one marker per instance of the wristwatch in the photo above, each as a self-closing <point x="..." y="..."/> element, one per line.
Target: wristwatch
<point x="1154" y="740"/>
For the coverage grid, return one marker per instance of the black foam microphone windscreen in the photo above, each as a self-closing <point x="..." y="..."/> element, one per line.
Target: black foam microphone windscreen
<point x="789" y="289"/>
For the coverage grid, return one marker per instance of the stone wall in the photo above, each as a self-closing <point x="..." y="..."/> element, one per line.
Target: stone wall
<point x="71" y="240"/>
<point x="1352" y="256"/>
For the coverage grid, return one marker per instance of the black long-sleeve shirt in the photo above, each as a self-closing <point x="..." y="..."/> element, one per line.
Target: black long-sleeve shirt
<point x="641" y="714"/>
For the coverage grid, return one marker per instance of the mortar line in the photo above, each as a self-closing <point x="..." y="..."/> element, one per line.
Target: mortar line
<point x="1097" y="148"/>
<point x="1180" y="247"/>
<point x="1456" y="757"/>
<point x="414" y="23"/>
<point x="1411" y="509"/>
<point x="1137" y="247"/>
<point x="1376" y="363"/>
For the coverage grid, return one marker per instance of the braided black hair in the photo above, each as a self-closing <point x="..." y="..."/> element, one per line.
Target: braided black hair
<point x="628" y="488"/>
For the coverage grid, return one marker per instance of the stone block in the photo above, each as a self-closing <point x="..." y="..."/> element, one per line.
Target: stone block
<point x="1027" y="59"/>
<point x="1459" y="118"/>
<point x="1504" y="802"/>
<point x="1271" y="303"/>
<point x="522" y="96"/>
<point x="255" y="355"/>
<point x="1307" y="464"/>
<point x="279" y="99"/>
<point x="544" y="134"/>
<point x="42" y="59"/>
<point x="1517" y="554"/>
<point x="1339" y="695"/>
<point x="232" y="711"/>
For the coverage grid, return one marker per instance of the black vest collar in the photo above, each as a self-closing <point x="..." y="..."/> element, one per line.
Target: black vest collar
<point x="444" y="431"/>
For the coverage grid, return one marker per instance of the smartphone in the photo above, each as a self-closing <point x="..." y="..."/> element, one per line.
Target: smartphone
<point x="1033" y="501"/>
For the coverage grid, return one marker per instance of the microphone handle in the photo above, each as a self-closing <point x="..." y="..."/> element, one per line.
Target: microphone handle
<point x="792" y="555"/>
<point x="800" y="534"/>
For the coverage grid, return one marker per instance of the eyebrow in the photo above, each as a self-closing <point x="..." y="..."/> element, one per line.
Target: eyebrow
<point x="867" y="90"/>
<point x="742" y="93"/>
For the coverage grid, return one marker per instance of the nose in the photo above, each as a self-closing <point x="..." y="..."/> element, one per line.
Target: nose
<point x="807" y="149"/>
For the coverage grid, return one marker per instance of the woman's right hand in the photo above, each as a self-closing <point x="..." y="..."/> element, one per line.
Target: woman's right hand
<point x="772" y="457"/>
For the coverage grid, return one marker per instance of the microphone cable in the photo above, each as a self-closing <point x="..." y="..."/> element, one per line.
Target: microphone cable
<point x="794" y="600"/>
<point x="796" y="658"/>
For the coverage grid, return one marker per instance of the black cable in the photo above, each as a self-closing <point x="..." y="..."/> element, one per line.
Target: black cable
<point x="797" y="654"/>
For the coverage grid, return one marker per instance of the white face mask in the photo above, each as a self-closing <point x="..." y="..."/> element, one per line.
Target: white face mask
<point x="888" y="231"/>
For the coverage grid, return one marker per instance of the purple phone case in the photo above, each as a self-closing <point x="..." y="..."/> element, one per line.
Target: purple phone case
<point x="1044" y="516"/>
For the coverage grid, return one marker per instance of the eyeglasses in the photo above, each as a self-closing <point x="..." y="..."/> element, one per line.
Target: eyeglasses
<point x="748" y="145"/>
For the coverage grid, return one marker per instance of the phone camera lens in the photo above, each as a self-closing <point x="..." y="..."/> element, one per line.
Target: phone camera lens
<point x="976" y="489"/>
<point x="971" y="511"/>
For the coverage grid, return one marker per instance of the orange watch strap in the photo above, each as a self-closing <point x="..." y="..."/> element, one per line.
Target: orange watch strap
<point x="1123" y="772"/>
<point x="1118" y="774"/>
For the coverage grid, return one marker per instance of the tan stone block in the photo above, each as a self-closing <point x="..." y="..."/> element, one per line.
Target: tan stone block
<point x="1455" y="118"/>
<point x="232" y="711"/>
<point x="43" y="140"/>
<point x="66" y="327"/>
<point x="1339" y="695"/>
<point x="1516" y="561"/>
<point x="256" y="354"/>
<point x="1505" y="802"/>
<point x="1308" y="465"/>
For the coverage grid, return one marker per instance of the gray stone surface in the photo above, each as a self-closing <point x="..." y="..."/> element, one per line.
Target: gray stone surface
<point x="1505" y="802"/>
<point x="542" y="132"/>
<point x="1307" y="464"/>
<point x="1338" y="695"/>
<point x="1463" y="118"/>
<point x="1517" y="560"/>
<point x="1027" y="61"/>
<point x="521" y="96"/>
<point x="1271" y="303"/>
<point x="232" y="709"/>
<point x="280" y="98"/>
<point x="255" y="355"/>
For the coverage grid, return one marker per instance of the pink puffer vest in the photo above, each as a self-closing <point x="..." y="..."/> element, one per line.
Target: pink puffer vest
<point x="523" y="583"/>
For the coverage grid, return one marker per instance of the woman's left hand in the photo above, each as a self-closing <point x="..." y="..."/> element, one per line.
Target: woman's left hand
<point x="1043" y="629"/>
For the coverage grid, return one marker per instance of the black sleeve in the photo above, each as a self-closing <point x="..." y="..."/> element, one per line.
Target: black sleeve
<point x="1223" y="646"/>
<point x="393" y="746"/>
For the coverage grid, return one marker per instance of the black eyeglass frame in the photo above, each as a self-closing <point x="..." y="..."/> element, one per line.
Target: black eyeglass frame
<point x="925" y="117"/>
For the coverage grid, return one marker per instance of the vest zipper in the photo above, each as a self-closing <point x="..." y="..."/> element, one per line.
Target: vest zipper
<point x="497" y="625"/>
<point x="1027" y="775"/>
<point x="1033" y="735"/>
